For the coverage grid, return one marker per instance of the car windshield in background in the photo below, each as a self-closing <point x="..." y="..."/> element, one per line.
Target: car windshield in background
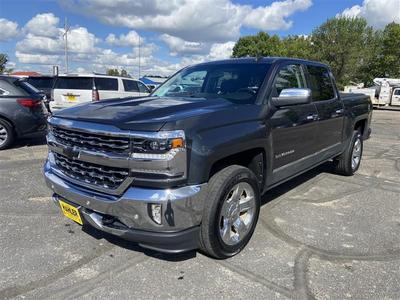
<point x="239" y="82"/>
<point x="41" y="82"/>
<point x="74" y="83"/>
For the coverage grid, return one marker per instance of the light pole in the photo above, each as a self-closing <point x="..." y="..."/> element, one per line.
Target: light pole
<point x="65" y="35"/>
<point x="139" y="56"/>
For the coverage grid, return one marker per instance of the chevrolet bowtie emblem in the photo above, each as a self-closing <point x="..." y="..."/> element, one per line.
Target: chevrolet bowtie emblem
<point x="71" y="152"/>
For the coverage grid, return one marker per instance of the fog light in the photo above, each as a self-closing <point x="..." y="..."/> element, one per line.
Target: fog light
<point x="155" y="211"/>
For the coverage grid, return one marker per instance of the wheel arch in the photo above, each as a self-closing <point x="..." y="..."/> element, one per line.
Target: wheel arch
<point x="6" y="119"/>
<point x="253" y="159"/>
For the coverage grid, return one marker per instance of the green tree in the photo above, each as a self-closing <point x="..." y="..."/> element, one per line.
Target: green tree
<point x="354" y="51"/>
<point x="116" y="72"/>
<point x="341" y="43"/>
<point x="3" y="62"/>
<point x="113" y="72"/>
<point x="124" y="73"/>
<point x="298" y="47"/>
<point x="389" y="57"/>
<point x="261" y="44"/>
<point x="371" y="66"/>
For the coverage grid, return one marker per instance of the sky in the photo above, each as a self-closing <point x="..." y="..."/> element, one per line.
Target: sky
<point x="164" y="35"/>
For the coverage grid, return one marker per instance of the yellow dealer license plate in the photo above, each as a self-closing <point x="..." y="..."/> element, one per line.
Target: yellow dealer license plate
<point x="70" y="212"/>
<point x="71" y="98"/>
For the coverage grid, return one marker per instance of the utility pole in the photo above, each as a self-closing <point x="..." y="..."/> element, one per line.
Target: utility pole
<point x="65" y="35"/>
<point x="139" y="56"/>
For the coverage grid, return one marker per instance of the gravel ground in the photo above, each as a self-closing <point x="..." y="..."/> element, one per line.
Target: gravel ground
<point x="319" y="236"/>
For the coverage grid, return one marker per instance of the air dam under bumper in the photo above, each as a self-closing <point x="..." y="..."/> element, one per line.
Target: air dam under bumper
<point x="182" y="210"/>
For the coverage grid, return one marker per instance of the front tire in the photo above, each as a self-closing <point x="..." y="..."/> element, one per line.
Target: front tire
<point x="230" y="213"/>
<point x="349" y="161"/>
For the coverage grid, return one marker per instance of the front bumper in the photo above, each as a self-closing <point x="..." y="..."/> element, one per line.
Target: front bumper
<point x="182" y="210"/>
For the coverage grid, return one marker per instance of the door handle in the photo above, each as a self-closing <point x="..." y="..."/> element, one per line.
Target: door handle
<point x="312" y="117"/>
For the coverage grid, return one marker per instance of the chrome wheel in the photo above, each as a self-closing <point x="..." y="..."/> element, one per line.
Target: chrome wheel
<point x="3" y="135"/>
<point x="356" y="155"/>
<point x="237" y="213"/>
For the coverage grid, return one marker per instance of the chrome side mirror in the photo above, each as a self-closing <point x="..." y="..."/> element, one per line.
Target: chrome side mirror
<point x="292" y="97"/>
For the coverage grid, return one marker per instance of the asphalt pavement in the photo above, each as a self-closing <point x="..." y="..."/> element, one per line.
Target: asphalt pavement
<point x="319" y="236"/>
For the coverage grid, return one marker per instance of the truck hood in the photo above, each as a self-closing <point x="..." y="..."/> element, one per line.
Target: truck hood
<point x="148" y="114"/>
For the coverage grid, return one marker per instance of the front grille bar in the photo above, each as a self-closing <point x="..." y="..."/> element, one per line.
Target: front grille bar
<point x="91" y="141"/>
<point x="106" y="177"/>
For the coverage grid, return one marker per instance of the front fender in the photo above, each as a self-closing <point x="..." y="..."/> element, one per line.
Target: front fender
<point x="214" y="144"/>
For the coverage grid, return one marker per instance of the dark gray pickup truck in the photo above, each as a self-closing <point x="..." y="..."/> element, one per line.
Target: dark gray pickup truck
<point x="186" y="167"/>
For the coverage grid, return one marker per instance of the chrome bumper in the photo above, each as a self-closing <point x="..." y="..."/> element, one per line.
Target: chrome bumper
<point x="182" y="207"/>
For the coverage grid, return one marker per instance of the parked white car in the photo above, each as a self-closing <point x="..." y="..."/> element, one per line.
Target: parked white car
<point x="74" y="89"/>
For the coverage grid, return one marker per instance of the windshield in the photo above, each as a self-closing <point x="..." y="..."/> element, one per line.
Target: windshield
<point x="239" y="82"/>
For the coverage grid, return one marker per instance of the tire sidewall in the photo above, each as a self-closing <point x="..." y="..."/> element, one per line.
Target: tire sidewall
<point x="243" y="175"/>
<point x="10" y="134"/>
<point x="357" y="135"/>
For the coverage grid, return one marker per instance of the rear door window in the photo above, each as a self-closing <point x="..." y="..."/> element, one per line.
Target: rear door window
<point x="130" y="85"/>
<point x="106" y="84"/>
<point x="74" y="83"/>
<point x="320" y="83"/>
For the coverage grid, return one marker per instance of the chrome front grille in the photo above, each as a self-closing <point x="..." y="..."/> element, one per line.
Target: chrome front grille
<point x="105" y="177"/>
<point x="93" y="142"/>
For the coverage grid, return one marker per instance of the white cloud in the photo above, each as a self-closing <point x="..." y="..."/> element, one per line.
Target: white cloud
<point x="378" y="13"/>
<point x="8" y="30"/>
<point x="43" y="25"/>
<point x="28" y="58"/>
<point x="80" y="40"/>
<point x="179" y="46"/>
<point x="192" y="20"/>
<point x="221" y="50"/>
<point x="145" y="49"/>
<point x="43" y="42"/>
<point x="217" y="51"/>
<point x="131" y="39"/>
<point x="39" y="44"/>
<point x="81" y="70"/>
<point x="274" y="17"/>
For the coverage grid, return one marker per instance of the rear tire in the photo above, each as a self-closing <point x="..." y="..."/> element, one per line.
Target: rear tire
<point x="230" y="213"/>
<point x="7" y="134"/>
<point x="349" y="161"/>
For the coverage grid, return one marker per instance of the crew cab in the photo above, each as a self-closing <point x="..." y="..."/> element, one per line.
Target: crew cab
<point x="186" y="167"/>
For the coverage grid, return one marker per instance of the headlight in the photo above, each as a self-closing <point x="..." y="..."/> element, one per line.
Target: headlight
<point x="160" y="155"/>
<point x="158" y="145"/>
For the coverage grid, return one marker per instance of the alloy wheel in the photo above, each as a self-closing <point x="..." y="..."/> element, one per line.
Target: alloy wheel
<point x="3" y="135"/>
<point x="356" y="155"/>
<point x="237" y="213"/>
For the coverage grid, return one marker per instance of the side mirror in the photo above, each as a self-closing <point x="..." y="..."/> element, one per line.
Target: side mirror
<point x="292" y="97"/>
